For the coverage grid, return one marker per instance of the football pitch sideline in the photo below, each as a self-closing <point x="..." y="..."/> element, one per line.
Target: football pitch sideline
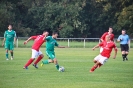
<point x="77" y="62"/>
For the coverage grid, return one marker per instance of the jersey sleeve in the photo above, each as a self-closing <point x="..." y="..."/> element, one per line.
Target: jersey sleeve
<point x="113" y="37"/>
<point x="115" y="47"/>
<point x="5" y="34"/>
<point x="47" y="38"/>
<point x="128" y="38"/>
<point x="103" y="36"/>
<point x="119" y="37"/>
<point x="33" y="37"/>
<point x="101" y="44"/>
<point x="56" y="44"/>
<point x="14" y="34"/>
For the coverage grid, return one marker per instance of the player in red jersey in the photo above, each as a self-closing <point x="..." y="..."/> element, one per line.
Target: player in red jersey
<point x="38" y="41"/>
<point x="105" y="34"/>
<point x="107" y="45"/>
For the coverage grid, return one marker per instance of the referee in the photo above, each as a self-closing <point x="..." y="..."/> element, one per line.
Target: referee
<point x="124" y="41"/>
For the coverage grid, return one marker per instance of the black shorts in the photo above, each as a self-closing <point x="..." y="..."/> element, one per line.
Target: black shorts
<point x="124" y="47"/>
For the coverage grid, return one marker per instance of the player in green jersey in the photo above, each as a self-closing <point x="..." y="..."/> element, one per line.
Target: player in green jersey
<point x="51" y="42"/>
<point x="9" y="41"/>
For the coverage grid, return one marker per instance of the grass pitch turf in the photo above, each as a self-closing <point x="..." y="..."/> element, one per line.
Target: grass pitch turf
<point x="77" y="62"/>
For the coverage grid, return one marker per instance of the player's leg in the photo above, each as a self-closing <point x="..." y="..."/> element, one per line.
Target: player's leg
<point x="34" y="55"/>
<point x="99" y="63"/>
<point x="7" y="48"/>
<point x="96" y="59"/>
<point x="7" y="54"/>
<point x="56" y="63"/>
<point x="50" y="60"/>
<point x="123" y="51"/>
<point x="38" y="59"/>
<point x="126" y="51"/>
<point x="11" y="49"/>
<point x="95" y="66"/>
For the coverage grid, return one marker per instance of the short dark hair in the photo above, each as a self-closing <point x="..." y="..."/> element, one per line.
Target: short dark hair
<point x="110" y="26"/>
<point x="45" y="31"/>
<point x="123" y="30"/>
<point x="54" y="33"/>
<point x="10" y="25"/>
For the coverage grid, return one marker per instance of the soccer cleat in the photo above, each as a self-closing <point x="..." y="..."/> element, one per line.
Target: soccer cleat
<point x="11" y="58"/>
<point x="35" y="66"/>
<point x="25" y="67"/>
<point x="127" y="59"/>
<point x="7" y="59"/>
<point x="42" y="64"/>
<point x="91" y="71"/>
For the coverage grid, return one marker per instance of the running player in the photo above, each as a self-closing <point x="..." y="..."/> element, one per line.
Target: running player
<point x="105" y="34"/>
<point x="107" y="45"/>
<point x="9" y="41"/>
<point x="51" y="42"/>
<point x="124" y="41"/>
<point x="38" y="41"/>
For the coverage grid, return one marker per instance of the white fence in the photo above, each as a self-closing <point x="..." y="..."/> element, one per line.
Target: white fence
<point x="70" y="42"/>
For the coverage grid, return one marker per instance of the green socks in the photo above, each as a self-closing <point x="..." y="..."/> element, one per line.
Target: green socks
<point x="6" y="55"/>
<point x="57" y="66"/>
<point x="45" y="62"/>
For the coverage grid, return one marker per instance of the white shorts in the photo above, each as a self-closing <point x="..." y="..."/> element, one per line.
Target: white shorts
<point x="101" y="49"/>
<point x="101" y="59"/>
<point x="35" y="53"/>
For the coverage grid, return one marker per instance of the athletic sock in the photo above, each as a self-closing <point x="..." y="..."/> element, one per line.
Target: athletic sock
<point x="45" y="62"/>
<point x="123" y="55"/>
<point x="57" y="66"/>
<point x="93" y="68"/>
<point x="29" y="62"/>
<point x="12" y="54"/>
<point x="126" y="56"/>
<point x="6" y="55"/>
<point x="38" y="59"/>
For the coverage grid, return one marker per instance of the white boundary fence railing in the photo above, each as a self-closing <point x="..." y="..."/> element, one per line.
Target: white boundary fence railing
<point x="69" y="41"/>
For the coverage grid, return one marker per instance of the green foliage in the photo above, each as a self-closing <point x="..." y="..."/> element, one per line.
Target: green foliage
<point x="72" y="18"/>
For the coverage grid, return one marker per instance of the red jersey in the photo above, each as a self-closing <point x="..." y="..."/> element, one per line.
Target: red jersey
<point x="106" y="33"/>
<point x="38" y="41"/>
<point x="107" y="48"/>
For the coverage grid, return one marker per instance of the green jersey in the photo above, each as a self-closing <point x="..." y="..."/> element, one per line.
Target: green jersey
<point x="9" y="35"/>
<point x="51" y="42"/>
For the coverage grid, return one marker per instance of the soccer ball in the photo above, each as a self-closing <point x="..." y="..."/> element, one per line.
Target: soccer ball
<point x="61" y="69"/>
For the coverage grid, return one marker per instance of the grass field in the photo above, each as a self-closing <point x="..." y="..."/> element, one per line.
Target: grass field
<point x="77" y="63"/>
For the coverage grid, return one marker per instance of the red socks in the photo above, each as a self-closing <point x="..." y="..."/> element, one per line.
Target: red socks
<point x="38" y="59"/>
<point x="29" y="62"/>
<point x="93" y="68"/>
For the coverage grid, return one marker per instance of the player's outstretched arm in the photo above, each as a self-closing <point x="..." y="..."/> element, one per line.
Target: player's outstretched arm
<point x="14" y="40"/>
<point x="3" y="41"/>
<point x="95" y="47"/>
<point x="61" y="47"/>
<point x="25" y="42"/>
<point x="115" y="49"/>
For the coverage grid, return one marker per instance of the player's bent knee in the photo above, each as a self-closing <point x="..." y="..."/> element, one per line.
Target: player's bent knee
<point x="95" y="61"/>
<point x="42" y="55"/>
<point x="55" y="60"/>
<point x="123" y="52"/>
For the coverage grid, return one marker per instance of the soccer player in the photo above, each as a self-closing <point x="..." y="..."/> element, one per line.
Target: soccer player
<point x="51" y="42"/>
<point x="38" y="41"/>
<point x="124" y="41"/>
<point x="107" y="45"/>
<point x="105" y="34"/>
<point x="9" y="41"/>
